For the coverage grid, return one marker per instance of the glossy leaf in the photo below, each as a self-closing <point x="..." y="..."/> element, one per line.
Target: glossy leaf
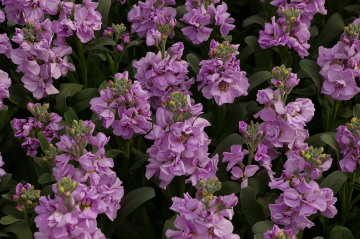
<point x="334" y="181"/>
<point x="250" y="207"/>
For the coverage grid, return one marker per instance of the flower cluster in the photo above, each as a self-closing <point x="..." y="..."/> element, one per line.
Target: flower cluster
<point x="348" y="137"/>
<point x="220" y="77"/>
<point x="118" y="34"/>
<point x="201" y="14"/>
<point x="307" y="9"/>
<point x="86" y="186"/>
<point x="38" y="60"/>
<point x="287" y="30"/>
<point x="26" y="196"/>
<point x="206" y="216"/>
<point x="124" y="106"/>
<point x="153" y="19"/>
<point x="43" y="121"/>
<point x="301" y="196"/>
<point x="162" y="74"/>
<point x="181" y="144"/>
<point x="284" y="123"/>
<point x="82" y="18"/>
<point x="5" y="83"/>
<point x="339" y="65"/>
<point x="277" y="233"/>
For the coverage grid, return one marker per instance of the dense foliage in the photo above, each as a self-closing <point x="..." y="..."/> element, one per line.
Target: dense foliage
<point x="180" y="119"/>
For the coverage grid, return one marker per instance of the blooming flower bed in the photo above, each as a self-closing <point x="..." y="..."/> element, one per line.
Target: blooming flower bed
<point x="180" y="119"/>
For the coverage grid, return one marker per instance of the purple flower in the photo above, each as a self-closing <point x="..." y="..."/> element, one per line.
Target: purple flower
<point x="2" y="172"/>
<point x="234" y="157"/>
<point x="276" y="233"/>
<point x="5" y="83"/>
<point x="244" y="174"/>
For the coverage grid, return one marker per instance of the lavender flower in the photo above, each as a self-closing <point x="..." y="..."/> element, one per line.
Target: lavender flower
<point x="277" y="233"/>
<point x="181" y="145"/>
<point x="124" y="106"/>
<point x="206" y="216"/>
<point x="221" y="77"/>
<point x="2" y="171"/>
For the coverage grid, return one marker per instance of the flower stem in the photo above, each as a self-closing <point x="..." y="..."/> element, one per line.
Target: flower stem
<point x="82" y="60"/>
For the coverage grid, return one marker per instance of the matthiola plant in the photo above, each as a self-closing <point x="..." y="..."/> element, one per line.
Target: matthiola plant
<point x="339" y="65"/>
<point x="201" y="14"/>
<point x="42" y="121"/>
<point x="124" y="106"/>
<point x="206" y="216"/>
<point x="348" y="137"/>
<point x="181" y="144"/>
<point x="220" y="77"/>
<point x="152" y="92"/>
<point x="86" y="186"/>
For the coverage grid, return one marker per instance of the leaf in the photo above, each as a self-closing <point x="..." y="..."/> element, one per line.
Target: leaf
<point x="229" y="187"/>
<point x="334" y="181"/>
<point x="70" y="115"/>
<point x="356" y="111"/>
<point x="340" y="232"/>
<point x="312" y="70"/>
<point x="46" y="178"/>
<point x="4" y="180"/>
<point x="194" y="62"/>
<point x="99" y="43"/>
<point x="8" y="220"/>
<point x="332" y="29"/>
<point x="133" y="200"/>
<point x="169" y="224"/>
<point x="258" y="78"/>
<point x="44" y="144"/>
<point x="20" y="229"/>
<point x="254" y="19"/>
<point x="329" y="139"/>
<point x="250" y="207"/>
<point x="180" y="11"/>
<point x="66" y="90"/>
<point x="262" y="227"/>
<point x="81" y="100"/>
<point x="133" y="43"/>
<point x="227" y="143"/>
<point x="318" y="238"/>
<point x="263" y="57"/>
<point x="112" y="153"/>
<point x="104" y="8"/>
<point x="129" y="203"/>
<point x="5" y="116"/>
<point x="19" y="95"/>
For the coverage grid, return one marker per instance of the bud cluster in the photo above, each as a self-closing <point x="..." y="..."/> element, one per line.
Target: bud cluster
<point x="26" y="196"/>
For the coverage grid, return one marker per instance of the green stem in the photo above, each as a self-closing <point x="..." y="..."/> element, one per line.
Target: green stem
<point x="26" y="216"/>
<point x="163" y="48"/>
<point x="299" y="235"/>
<point x="83" y="65"/>
<point x="347" y="198"/>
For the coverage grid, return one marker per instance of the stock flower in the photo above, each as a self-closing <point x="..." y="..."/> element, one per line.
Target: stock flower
<point x="124" y="106"/>
<point x="5" y="83"/>
<point x="276" y="233"/>
<point x="2" y="172"/>
<point x="220" y="77"/>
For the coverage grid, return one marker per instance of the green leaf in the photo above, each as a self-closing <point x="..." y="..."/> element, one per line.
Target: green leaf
<point x="8" y="220"/>
<point x="318" y="238"/>
<point x="19" y="95"/>
<point x="169" y="224"/>
<point x="229" y="187"/>
<point x="334" y="181"/>
<point x="254" y="19"/>
<point x="81" y="100"/>
<point x="20" y="229"/>
<point x="133" y="43"/>
<point x="44" y="144"/>
<point x="3" y="235"/>
<point x="4" y="180"/>
<point x="103" y="8"/>
<point x="180" y="11"/>
<point x="262" y="227"/>
<point x="129" y="203"/>
<point x="258" y="78"/>
<point x="99" y="43"/>
<point x="227" y="143"/>
<point x="312" y="70"/>
<point x="133" y="200"/>
<point x="70" y="115"/>
<point x="330" y="139"/>
<point x="66" y="90"/>
<point x="112" y="153"/>
<point x="6" y="115"/>
<point x="194" y="62"/>
<point x="250" y="207"/>
<point x="333" y="28"/>
<point x="356" y="111"/>
<point x="263" y="57"/>
<point x="340" y="232"/>
<point x="46" y="178"/>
